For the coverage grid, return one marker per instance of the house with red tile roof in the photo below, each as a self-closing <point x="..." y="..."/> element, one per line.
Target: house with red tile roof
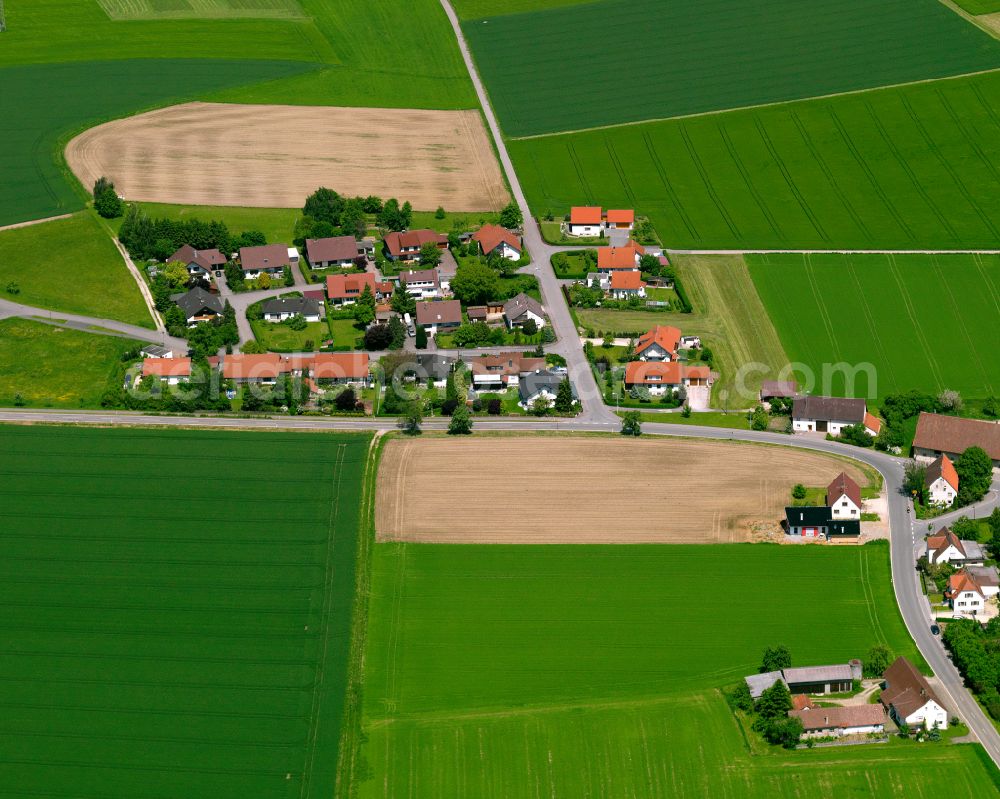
<point x="441" y="315"/>
<point x="627" y="256"/>
<point x="941" y="481"/>
<point x="264" y="368"/>
<point x="170" y="370"/>
<point x="620" y="219"/>
<point x="837" y="722"/>
<point x="585" y="220"/>
<point x="340" y="367"/>
<point x="658" y="344"/>
<point x="493" y="238"/>
<point x="946" y="547"/>
<point x="345" y="289"/>
<point x="662" y="376"/>
<point x="843" y="498"/>
<point x="624" y="285"/>
<point x="405" y="246"/>
<point x="909" y="698"/>
<point x="969" y="589"/>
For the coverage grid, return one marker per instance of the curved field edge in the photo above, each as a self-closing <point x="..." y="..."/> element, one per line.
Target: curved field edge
<point x="916" y="167"/>
<point x="71" y="265"/>
<point x="44" y="106"/>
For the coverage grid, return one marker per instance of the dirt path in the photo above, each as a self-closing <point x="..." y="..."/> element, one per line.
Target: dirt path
<point x="31" y="222"/>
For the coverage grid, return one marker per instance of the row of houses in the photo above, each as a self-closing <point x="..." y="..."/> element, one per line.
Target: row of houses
<point x="838" y="519"/>
<point x="907" y="698"/>
<point x="266" y="368"/>
<point x="267" y="259"/>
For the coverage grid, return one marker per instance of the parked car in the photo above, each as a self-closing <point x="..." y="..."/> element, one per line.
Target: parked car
<point x="935" y="630"/>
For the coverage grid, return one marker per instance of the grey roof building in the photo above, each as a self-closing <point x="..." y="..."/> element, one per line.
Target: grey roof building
<point x="291" y="306"/>
<point x="198" y="302"/>
<point x="518" y="308"/>
<point x="839" y="409"/>
<point x="532" y="384"/>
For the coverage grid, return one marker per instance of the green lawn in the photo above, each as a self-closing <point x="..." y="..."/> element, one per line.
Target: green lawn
<point x="585" y="671"/>
<point x="943" y="311"/>
<point x="907" y="168"/>
<point x="735" y="420"/>
<point x="168" y="634"/>
<point x="453" y="220"/>
<point x="54" y="368"/>
<point x="70" y="265"/>
<point x="344" y="333"/>
<point x="281" y="338"/>
<point x="721" y="54"/>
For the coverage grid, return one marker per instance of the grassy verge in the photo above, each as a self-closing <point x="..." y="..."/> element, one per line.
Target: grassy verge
<point x="70" y="265"/>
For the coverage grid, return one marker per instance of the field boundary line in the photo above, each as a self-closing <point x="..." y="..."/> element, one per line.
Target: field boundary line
<point x="776" y="103"/>
<point x="970" y="18"/>
<point x="30" y="222"/>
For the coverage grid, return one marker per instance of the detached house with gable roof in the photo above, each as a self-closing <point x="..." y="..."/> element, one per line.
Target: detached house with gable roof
<point x="814" y="414"/>
<point x="969" y="589"/>
<point x="626" y="257"/>
<point x="620" y="219"/>
<point x="520" y="309"/>
<point x="585" y="220"/>
<point x="939" y="435"/>
<point x="946" y="547"/>
<point x="941" y="482"/>
<point x="659" y="377"/>
<point x="626" y="285"/>
<point x="422" y="284"/>
<point x="199" y="306"/>
<point x="345" y="289"/>
<point x="494" y="238"/>
<point x="339" y="252"/>
<point x="909" y="698"/>
<point x="843" y="498"/>
<point x="658" y="344"/>
<point x="406" y="246"/>
<point x="269" y="259"/>
<point x="199" y="263"/>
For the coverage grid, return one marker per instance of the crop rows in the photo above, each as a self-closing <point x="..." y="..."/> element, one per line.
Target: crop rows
<point x="944" y="311"/>
<point x="908" y="168"/>
<point x="174" y="614"/>
<point x="618" y="61"/>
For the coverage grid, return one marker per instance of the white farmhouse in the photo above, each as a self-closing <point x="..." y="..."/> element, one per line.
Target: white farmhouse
<point x="942" y="481"/>
<point x="843" y="496"/>
<point x="909" y="699"/>
<point x="831" y="415"/>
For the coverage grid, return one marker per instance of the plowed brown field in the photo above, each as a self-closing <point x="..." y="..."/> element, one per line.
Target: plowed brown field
<point x="275" y="155"/>
<point x="588" y="490"/>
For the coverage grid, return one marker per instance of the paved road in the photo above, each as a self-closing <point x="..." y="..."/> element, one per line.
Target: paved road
<point x="91" y="324"/>
<point x="912" y="603"/>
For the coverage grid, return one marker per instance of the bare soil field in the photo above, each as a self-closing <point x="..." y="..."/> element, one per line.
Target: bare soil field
<point x="275" y="155"/>
<point x="542" y="490"/>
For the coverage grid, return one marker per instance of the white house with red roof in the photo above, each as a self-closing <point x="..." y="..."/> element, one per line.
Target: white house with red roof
<point x="493" y="238"/>
<point x="585" y="220"/>
<point x="169" y="370"/>
<point x="405" y="246"/>
<point x="626" y="257"/>
<point x="345" y="289"/>
<point x="843" y="497"/>
<point x="969" y="589"/>
<point x="199" y="263"/>
<point x="659" y="377"/>
<point x="941" y="482"/>
<point x="658" y="344"/>
<point x="946" y="547"/>
<point x="624" y="285"/>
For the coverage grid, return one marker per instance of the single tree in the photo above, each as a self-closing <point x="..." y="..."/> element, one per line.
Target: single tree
<point x="530" y="327"/>
<point x="975" y="474"/>
<point x="799" y="491"/>
<point x="324" y="205"/>
<point x="631" y="423"/>
<point x="915" y="480"/>
<point x="430" y="254"/>
<point x="439" y="213"/>
<point x="402" y="302"/>
<point x="106" y="200"/>
<point x="461" y="421"/>
<point x="411" y="418"/>
<point x="950" y="401"/>
<point x="176" y="275"/>
<point x="564" y="396"/>
<point x="878" y="660"/>
<point x="775" y="658"/>
<point x="378" y="337"/>
<point x="774" y="702"/>
<point x="511" y="216"/>
<point x="475" y="284"/>
<point x="289" y="278"/>
<point x="364" y="307"/>
<point x="346" y="400"/>
<point x="540" y="406"/>
<point x="758" y="418"/>
<point x="991" y="406"/>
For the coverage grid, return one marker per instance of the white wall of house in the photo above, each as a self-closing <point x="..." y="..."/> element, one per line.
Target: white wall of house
<point x="970" y="602"/>
<point x="844" y="508"/>
<point x="539" y="320"/>
<point x="654" y="352"/>
<point x="548" y="395"/>
<point x="584" y="230"/>
<point x="838" y="732"/>
<point x="625" y="294"/>
<point x="278" y="272"/>
<point x="281" y="317"/>
<point x="940" y="493"/>
<point x="929" y="716"/>
<point x="947" y="555"/>
<point x="809" y="426"/>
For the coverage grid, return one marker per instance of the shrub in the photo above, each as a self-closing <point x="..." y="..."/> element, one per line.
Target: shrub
<point x="799" y="491"/>
<point x="346" y="400"/>
<point x="494" y="407"/>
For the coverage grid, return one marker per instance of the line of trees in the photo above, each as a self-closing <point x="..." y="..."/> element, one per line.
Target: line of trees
<point x="975" y="651"/>
<point x="146" y="238"/>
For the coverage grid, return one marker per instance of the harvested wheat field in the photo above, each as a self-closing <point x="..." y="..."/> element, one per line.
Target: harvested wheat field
<point x="540" y="490"/>
<point x="275" y="155"/>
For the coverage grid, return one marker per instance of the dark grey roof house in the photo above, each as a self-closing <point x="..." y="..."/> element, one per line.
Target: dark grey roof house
<point x="198" y="304"/>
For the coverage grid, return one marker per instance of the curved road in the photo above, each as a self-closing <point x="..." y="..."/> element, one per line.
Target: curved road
<point x="903" y="533"/>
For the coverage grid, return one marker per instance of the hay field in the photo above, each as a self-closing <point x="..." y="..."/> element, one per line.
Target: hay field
<point x="168" y="635"/>
<point x="273" y="156"/>
<point x="587" y="490"/>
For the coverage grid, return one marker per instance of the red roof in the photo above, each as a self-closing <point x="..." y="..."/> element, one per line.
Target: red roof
<point x="664" y="336"/>
<point x="626" y="280"/>
<point x="585" y="215"/>
<point x="259" y="367"/>
<point x="619" y="257"/>
<point x="962" y="581"/>
<point x="873" y="422"/>
<point x="654" y="373"/>
<point x="340" y="365"/>
<point x="342" y="287"/>
<point x="166" y="367"/>
<point x="492" y="236"/>
<point x="843" y="485"/>
<point x="620" y="217"/>
<point x="412" y="240"/>
<point x="944" y="468"/>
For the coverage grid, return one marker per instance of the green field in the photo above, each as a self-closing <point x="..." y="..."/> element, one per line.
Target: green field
<point x="943" y="311"/>
<point x="621" y="61"/>
<point x="587" y="671"/>
<point x="476" y="9"/>
<point x="202" y="9"/>
<point x="43" y="106"/>
<point x="909" y="168"/>
<point x="169" y="633"/>
<point x="54" y="368"/>
<point x="979" y="6"/>
<point x="70" y="265"/>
